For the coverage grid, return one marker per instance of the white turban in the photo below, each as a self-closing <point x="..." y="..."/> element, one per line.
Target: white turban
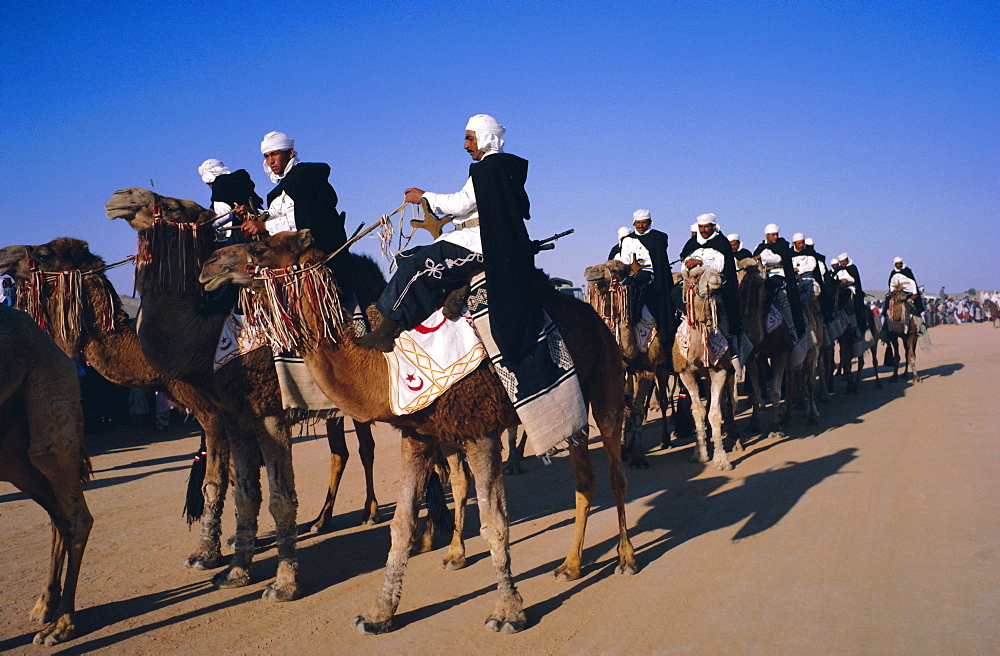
<point x="843" y="256"/>
<point x="641" y="215"/>
<point x="809" y="241"/>
<point x="276" y="141"/>
<point x="623" y="232"/>
<point x="733" y="237"/>
<point x="694" y="227"/>
<point x="210" y="169"/>
<point x="488" y="132"/>
<point x="771" y="228"/>
<point x="897" y="260"/>
<point x="706" y="219"/>
<point x="798" y="236"/>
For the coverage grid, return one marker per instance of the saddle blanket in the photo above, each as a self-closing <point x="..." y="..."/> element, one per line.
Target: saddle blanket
<point x="431" y="358"/>
<point x="235" y="340"/>
<point x="644" y="330"/>
<point x="543" y="386"/>
<point x="781" y="313"/>
<point x="717" y="343"/>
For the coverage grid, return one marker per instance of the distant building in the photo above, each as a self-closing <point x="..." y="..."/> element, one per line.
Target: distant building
<point x="566" y="287"/>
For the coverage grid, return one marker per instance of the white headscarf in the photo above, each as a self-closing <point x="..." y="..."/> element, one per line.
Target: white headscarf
<point x="210" y="169"/>
<point x="488" y="132"/>
<point x="277" y="141"/>
<point x="771" y="228"/>
<point x="706" y="219"/>
<point x="733" y="237"/>
<point x="623" y="232"/>
<point x="641" y="215"/>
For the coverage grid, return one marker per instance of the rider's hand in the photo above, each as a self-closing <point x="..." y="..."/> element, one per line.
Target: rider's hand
<point x="413" y="195"/>
<point x="692" y="262"/>
<point x="254" y="228"/>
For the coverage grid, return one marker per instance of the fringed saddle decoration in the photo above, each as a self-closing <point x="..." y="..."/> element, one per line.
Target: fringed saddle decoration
<point x="613" y="306"/>
<point x="706" y="326"/>
<point x="170" y="255"/>
<point x="284" y="301"/>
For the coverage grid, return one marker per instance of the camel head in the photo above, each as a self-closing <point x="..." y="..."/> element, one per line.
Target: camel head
<point x="705" y="280"/>
<point x="600" y="276"/>
<point x="14" y="261"/>
<point x="231" y="264"/>
<point x="748" y="266"/>
<point x="137" y="207"/>
<point x="63" y="254"/>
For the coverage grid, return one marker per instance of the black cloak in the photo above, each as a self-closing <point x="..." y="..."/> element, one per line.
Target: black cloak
<point x="508" y="254"/>
<point x="308" y="185"/>
<point x="730" y="285"/>
<point x="234" y="189"/>
<point x="655" y="243"/>
<point x="782" y="249"/>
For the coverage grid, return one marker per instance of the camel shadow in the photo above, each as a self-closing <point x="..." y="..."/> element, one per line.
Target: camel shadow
<point x="124" y="610"/>
<point x="940" y="370"/>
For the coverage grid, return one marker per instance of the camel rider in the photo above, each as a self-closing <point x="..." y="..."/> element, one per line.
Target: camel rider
<point x="710" y="249"/>
<point x="775" y="255"/>
<point x="489" y="214"/>
<point x="646" y="251"/>
<point x="303" y="199"/>
<point x="623" y="232"/>
<point x="230" y="192"/>
<point x="739" y="252"/>
<point x="827" y="283"/>
<point x="847" y="275"/>
<point x="902" y="276"/>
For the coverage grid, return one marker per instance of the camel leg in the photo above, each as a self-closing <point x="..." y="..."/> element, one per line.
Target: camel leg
<point x="277" y="450"/>
<point x="636" y="417"/>
<point x="208" y="554"/>
<point x="729" y="419"/>
<point x="895" y="359"/>
<point x="484" y="460"/>
<point x="339" y="455"/>
<point x="911" y="356"/>
<point x="583" y="469"/>
<point x="513" y="464"/>
<point x="454" y="558"/>
<point x="718" y="379"/>
<point x="415" y="469"/>
<point x="366" y="452"/>
<point x="247" y="497"/>
<point x="664" y="387"/>
<point x="754" y="391"/>
<point x="779" y="366"/>
<point x="698" y="412"/>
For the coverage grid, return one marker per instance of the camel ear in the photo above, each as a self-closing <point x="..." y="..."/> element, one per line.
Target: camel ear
<point x="305" y="238"/>
<point x="80" y="250"/>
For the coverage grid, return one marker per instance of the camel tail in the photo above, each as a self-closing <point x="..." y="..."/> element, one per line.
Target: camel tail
<point x="437" y="507"/>
<point x="194" y="500"/>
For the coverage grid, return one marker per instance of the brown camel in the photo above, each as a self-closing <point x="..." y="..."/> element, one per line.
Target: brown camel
<point x="773" y="348"/>
<point x="471" y="415"/>
<point x="42" y="454"/>
<point x="698" y="361"/>
<point x="179" y="338"/>
<point x="802" y="379"/>
<point x="112" y="348"/>
<point x="611" y="298"/>
<point x="992" y="311"/>
<point x="902" y="324"/>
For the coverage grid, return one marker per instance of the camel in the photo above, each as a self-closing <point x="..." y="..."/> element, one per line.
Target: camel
<point x="700" y="285"/>
<point x="42" y="454"/>
<point x="643" y="370"/>
<point x="992" y="311"/>
<point x="802" y="379"/>
<point x="471" y="416"/>
<point x="180" y="339"/>
<point x="112" y="348"/>
<point x="848" y="345"/>
<point x="773" y="347"/>
<point x="901" y="323"/>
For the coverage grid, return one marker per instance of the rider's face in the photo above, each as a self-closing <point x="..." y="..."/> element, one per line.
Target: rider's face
<point x="642" y="226"/>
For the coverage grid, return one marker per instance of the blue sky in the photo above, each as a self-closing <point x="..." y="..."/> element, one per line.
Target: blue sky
<point x="870" y="126"/>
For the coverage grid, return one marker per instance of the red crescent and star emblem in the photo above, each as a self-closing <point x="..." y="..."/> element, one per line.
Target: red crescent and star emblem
<point x="410" y="378"/>
<point x="426" y="330"/>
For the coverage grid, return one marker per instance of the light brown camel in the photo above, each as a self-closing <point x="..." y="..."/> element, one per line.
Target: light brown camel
<point x="902" y="324"/>
<point x="612" y="299"/>
<point x="697" y="360"/>
<point x="42" y="454"/>
<point x="472" y="415"/>
<point x="992" y="311"/>
<point x="179" y="338"/>
<point x="93" y="321"/>
<point x="773" y="348"/>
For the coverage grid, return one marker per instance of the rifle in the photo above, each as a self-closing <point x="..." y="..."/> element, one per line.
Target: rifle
<point x="547" y="245"/>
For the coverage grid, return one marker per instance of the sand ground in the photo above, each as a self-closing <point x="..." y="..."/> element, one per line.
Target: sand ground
<point x="874" y="532"/>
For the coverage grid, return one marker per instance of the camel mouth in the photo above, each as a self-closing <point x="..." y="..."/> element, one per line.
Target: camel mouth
<point x="10" y="258"/>
<point x="214" y="280"/>
<point x="119" y="211"/>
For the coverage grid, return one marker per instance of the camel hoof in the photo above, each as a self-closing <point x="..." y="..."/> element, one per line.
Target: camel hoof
<point x="371" y="521"/>
<point x="201" y="563"/>
<point x="725" y="465"/>
<point x="776" y="435"/>
<point x="513" y="470"/>
<point x="627" y="568"/>
<point x="230" y="543"/>
<point x="56" y="632"/>
<point x="289" y="592"/>
<point x="564" y="573"/>
<point x="232" y="577"/>
<point x="452" y="564"/>
<point x="43" y="610"/>
<point x="505" y="626"/>
<point x="363" y="626"/>
<point x="321" y="524"/>
<point x="697" y="457"/>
